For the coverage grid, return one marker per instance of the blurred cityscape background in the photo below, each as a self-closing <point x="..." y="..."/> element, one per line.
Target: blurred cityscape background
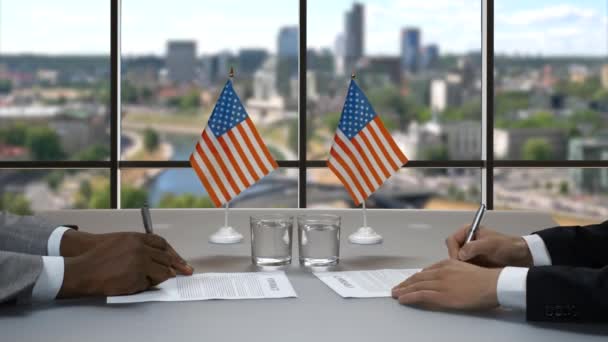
<point x="419" y="64"/>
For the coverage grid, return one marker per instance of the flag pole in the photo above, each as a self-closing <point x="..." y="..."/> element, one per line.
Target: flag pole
<point x="364" y="215"/>
<point x="365" y="235"/>
<point x="226" y="215"/>
<point x="227" y="234"/>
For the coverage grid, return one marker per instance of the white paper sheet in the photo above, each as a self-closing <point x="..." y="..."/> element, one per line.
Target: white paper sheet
<point x="365" y="284"/>
<point x="207" y="286"/>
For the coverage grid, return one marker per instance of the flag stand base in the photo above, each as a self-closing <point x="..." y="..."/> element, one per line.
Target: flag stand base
<point x="226" y="235"/>
<point x="365" y="236"/>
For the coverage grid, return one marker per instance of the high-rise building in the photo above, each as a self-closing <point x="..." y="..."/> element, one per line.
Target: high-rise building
<point x="250" y="60"/>
<point x="181" y="61"/>
<point x="288" y="42"/>
<point x="430" y="56"/>
<point x="410" y="50"/>
<point x="353" y="36"/>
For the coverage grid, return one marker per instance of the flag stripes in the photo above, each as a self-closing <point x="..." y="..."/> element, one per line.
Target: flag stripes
<point x="363" y="155"/>
<point x="230" y="163"/>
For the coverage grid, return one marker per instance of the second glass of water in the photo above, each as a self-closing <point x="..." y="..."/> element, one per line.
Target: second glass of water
<point x="271" y="239"/>
<point x="319" y="239"/>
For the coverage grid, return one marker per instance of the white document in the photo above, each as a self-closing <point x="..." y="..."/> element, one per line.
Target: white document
<point x="365" y="284"/>
<point x="205" y="286"/>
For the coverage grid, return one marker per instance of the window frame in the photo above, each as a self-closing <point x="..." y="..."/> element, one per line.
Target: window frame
<point x="486" y="163"/>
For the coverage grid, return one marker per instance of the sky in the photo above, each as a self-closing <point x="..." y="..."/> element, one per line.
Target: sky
<point x="546" y="27"/>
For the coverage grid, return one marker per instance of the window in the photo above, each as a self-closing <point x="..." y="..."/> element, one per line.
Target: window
<point x="101" y="102"/>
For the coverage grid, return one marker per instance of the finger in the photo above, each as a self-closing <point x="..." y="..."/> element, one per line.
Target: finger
<point x="156" y="241"/>
<point x="433" y="285"/>
<point x="160" y="257"/>
<point x="420" y="276"/>
<point x="426" y="298"/>
<point x="456" y="240"/>
<point x="179" y="264"/>
<point x="158" y="274"/>
<point x="475" y="248"/>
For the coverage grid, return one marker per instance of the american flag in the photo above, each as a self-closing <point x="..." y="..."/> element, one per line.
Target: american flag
<point x="230" y="156"/>
<point x="363" y="154"/>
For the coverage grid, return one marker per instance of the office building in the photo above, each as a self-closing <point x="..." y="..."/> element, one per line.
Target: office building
<point x="181" y="61"/>
<point x="430" y="57"/>
<point x="410" y="50"/>
<point x="288" y="42"/>
<point x="446" y="92"/>
<point x="386" y="67"/>
<point x="250" y="60"/>
<point x="591" y="180"/>
<point x="604" y="76"/>
<point x="353" y="40"/>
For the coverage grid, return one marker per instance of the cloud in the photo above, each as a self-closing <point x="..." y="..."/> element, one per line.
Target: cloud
<point x="547" y="15"/>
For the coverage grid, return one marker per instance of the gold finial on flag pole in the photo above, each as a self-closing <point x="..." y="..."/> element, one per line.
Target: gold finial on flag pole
<point x="353" y="75"/>
<point x="231" y="73"/>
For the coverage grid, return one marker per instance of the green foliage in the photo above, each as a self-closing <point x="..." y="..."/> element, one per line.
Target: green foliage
<point x="537" y="149"/>
<point x="95" y="152"/>
<point x="151" y="139"/>
<point x="331" y="121"/>
<point x="564" y="188"/>
<point x="468" y="111"/>
<point x="585" y="90"/>
<point x="85" y="189"/>
<point x="190" y="101"/>
<point x="133" y="197"/>
<point x="44" y="144"/>
<point x="455" y="193"/>
<point x="436" y="153"/>
<point x="292" y="135"/>
<point x="185" y="201"/>
<point x="100" y="198"/>
<point x="6" y="86"/>
<point x="15" y="203"/>
<point x="509" y="103"/>
<point x="389" y="100"/>
<point x="15" y="135"/>
<point x="54" y="179"/>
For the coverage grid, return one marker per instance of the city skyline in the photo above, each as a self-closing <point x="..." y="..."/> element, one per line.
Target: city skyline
<point x="543" y="27"/>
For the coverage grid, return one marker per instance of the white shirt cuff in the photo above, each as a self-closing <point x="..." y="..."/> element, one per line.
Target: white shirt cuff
<point x="538" y="249"/>
<point x="54" y="243"/>
<point x="511" y="288"/>
<point x="50" y="280"/>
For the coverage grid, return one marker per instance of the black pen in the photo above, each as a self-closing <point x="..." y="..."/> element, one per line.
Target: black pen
<point x="476" y="222"/>
<point x="145" y="216"/>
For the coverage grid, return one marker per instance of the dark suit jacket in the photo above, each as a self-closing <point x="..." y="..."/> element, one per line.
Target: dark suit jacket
<point x="575" y="287"/>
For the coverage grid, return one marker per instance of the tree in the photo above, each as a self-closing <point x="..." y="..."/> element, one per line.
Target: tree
<point x="95" y="152"/>
<point x="436" y="153"/>
<point x="564" y="188"/>
<point x="185" y="201"/>
<point x="292" y="135"/>
<point x="100" y="198"/>
<point x="44" y="144"/>
<point x="15" y="135"/>
<point x="151" y="140"/>
<point x="537" y="149"/>
<point x="133" y="197"/>
<point x="15" y="203"/>
<point x="54" y="179"/>
<point x="6" y="86"/>
<point x="190" y="101"/>
<point x="85" y="189"/>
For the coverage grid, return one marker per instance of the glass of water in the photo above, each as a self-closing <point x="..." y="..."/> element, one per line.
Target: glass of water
<point x="319" y="239"/>
<point x="271" y="237"/>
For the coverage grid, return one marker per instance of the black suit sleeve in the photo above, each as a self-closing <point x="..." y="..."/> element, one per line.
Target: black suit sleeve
<point x="567" y="294"/>
<point x="577" y="246"/>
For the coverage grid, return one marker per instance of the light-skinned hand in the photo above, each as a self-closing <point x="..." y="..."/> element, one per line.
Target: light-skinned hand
<point x="450" y="285"/>
<point x="489" y="248"/>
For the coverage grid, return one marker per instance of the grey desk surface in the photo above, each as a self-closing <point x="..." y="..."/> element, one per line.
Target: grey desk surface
<point x="412" y="239"/>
